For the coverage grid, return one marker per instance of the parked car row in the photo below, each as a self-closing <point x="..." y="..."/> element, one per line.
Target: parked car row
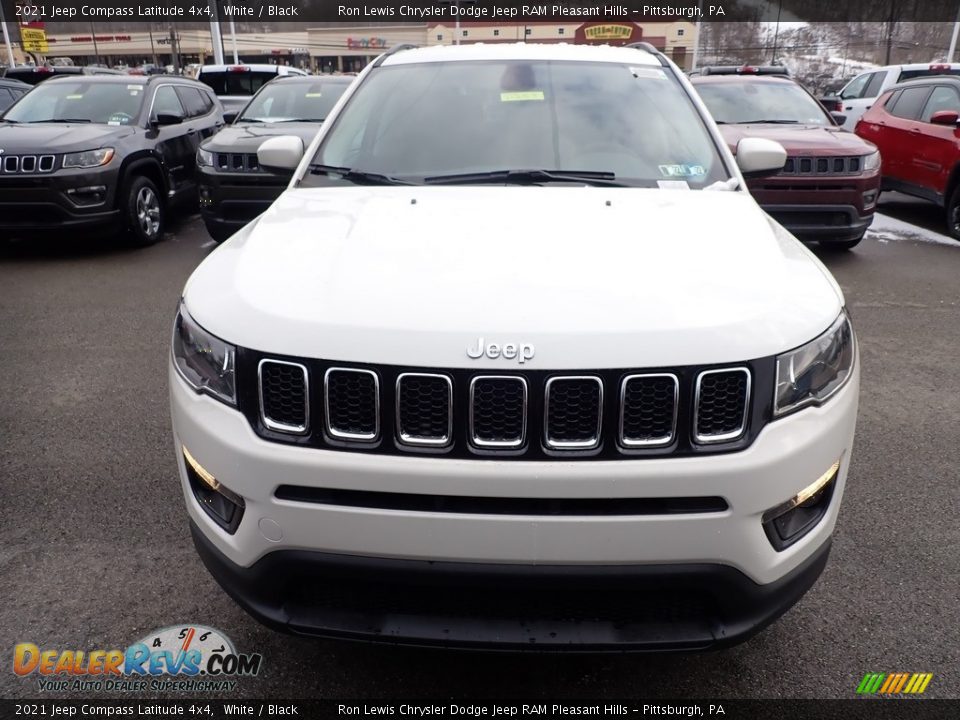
<point x="103" y="154"/>
<point x="916" y="125"/>
<point x="906" y="137"/>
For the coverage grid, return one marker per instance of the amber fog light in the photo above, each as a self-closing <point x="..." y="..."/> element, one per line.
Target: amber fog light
<point x="791" y="520"/>
<point x="223" y="505"/>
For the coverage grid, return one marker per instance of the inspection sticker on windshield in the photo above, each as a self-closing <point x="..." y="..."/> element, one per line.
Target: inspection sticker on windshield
<point x="523" y="96"/>
<point x="314" y="94"/>
<point x="74" y="97"/>
<point x="682" y="170"/>
<point x="673" y="185"/>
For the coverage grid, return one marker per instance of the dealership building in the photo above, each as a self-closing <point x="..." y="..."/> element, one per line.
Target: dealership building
<point x="348" y="48"/>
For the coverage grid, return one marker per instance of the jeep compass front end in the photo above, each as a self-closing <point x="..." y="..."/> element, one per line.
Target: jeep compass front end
<point x="516" y="362"/>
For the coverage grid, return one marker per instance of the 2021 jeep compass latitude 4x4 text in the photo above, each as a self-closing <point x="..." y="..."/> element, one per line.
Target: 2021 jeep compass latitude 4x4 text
<point x="515" y="361"/>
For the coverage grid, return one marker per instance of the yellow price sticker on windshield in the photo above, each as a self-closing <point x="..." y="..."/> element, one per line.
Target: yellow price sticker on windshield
<point x="526" y="95"/>
<point x="74" y="97"/>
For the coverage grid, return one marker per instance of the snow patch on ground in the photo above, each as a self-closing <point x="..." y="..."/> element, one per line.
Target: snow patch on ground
<point x="885" y="228"/>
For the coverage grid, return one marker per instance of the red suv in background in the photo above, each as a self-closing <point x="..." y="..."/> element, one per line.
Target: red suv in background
<point x="915" y="125"/>
<point x="828" y="188"/>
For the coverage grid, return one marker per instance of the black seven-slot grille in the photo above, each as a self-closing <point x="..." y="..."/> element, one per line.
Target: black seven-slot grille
<point x="237" y="162"/>
<point x="528" y="414"/>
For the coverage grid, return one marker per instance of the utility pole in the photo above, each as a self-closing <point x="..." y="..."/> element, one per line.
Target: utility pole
<point x="953" y="39"/>
<point x="96" y="50"/>
<point x="174" y="50"/>
<point x="233" y="40"/>
<point x="6" y="38"/>
<point x="216" y="38"/>
<point x="153" y="50"/>
<point x="776" y="33"/>
<point x="696" y="37"/>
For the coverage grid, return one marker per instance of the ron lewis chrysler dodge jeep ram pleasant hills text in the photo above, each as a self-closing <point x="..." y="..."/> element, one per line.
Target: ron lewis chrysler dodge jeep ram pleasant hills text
<point x="516" y="361"/>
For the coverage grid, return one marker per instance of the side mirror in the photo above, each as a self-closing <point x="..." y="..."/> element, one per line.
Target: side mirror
<point x="229" y="117"/>
<point x="759" y="157"/>
<point x="945" y="117"/>
<point x="832" y="103"/>
<point x="838" y="117"/>
<point x="167" y="119"/>
<point x="280" y="153"/>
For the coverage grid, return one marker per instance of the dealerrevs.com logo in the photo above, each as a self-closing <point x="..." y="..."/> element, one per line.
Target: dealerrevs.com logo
<point x="184" y="658"/>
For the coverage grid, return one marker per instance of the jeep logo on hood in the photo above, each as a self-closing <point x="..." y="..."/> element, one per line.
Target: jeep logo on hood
<point x="510" y="351"/>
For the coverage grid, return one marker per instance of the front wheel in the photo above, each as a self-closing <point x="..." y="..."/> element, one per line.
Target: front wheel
<point x="145" y="212"/>
<point x="953" y="213"/>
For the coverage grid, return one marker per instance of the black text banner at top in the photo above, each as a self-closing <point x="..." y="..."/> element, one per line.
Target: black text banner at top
<point x="305" y="12"/>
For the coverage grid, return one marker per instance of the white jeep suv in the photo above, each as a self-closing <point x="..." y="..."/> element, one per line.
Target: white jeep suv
<point x="515" y="360"/>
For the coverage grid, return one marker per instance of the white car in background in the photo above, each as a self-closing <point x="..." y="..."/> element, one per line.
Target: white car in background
<point x="858" y="95"/>
<point x="234" y="85"/>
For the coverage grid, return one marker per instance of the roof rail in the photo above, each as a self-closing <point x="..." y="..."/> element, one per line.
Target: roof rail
<point x="395" y="49"/>
<point x="643" y="45"/>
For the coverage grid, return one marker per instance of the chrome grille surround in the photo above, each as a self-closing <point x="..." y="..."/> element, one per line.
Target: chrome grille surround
<point x="426" y="441"/>
<point x="27" y="164"/>
<point x="273" y="424"/>
<point x="633" y="443"/>
<point x="488" y="444"/>
<point x="340" y="433"/>
<point x="707" y="439"/>
<point x="585" y="444"/>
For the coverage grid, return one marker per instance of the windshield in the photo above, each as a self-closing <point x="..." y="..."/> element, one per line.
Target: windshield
<point x="242" y="81"/>
<point x="430" y="120"/>
<point x="751" y="101"/>
<point x="294" y="101"/>
<point x="114" y="103"/>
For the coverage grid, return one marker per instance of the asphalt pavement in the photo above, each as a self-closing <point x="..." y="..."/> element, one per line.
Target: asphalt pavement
<point x="95" y="552"/>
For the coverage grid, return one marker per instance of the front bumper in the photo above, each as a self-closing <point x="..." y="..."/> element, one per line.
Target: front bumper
<point x="826" y="222"/>
<point x="228" y="201"/>
<point x="519" y="607"/>
<point x="46" y="203"/>
<point x="692" y="580"/>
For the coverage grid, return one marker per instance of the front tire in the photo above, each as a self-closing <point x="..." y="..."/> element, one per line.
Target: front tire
<point x="953" y="213"/>
<point x="145" y="212"/>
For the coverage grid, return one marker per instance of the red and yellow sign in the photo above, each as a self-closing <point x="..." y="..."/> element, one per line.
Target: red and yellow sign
<point x="608" y="32"/>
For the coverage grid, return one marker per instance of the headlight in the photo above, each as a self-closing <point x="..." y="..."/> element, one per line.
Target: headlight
<point x="88" y="158"/>
<point x="206" y="362"/>
<point x="812" y="373"/>
<point x="204" y="158"/>
<point x="871" y="161"/>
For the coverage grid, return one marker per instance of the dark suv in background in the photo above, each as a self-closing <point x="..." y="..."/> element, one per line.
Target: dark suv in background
<point x="828" y="189"/>
<point x="102" y="153"/>
<point x="234" y="189"/>
<point x="11" y="91"/>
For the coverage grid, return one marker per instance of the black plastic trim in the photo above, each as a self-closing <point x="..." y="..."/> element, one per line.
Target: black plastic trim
<point x="570" y="608"/>
<point x="467" y="504"/>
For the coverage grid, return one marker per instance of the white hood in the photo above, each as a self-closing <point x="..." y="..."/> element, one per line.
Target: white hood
<point x="592" y="277"/>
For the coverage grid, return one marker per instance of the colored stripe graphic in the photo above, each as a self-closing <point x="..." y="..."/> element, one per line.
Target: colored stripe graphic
<point x="894" y="683"/>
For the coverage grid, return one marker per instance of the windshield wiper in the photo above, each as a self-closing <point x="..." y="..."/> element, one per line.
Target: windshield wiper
<point x="61" y="120"/>
<point x="296" y="120"/>
<point x="768" y="122"/>
<point x="360" y="177"/>
<point x="586" y="177"/>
